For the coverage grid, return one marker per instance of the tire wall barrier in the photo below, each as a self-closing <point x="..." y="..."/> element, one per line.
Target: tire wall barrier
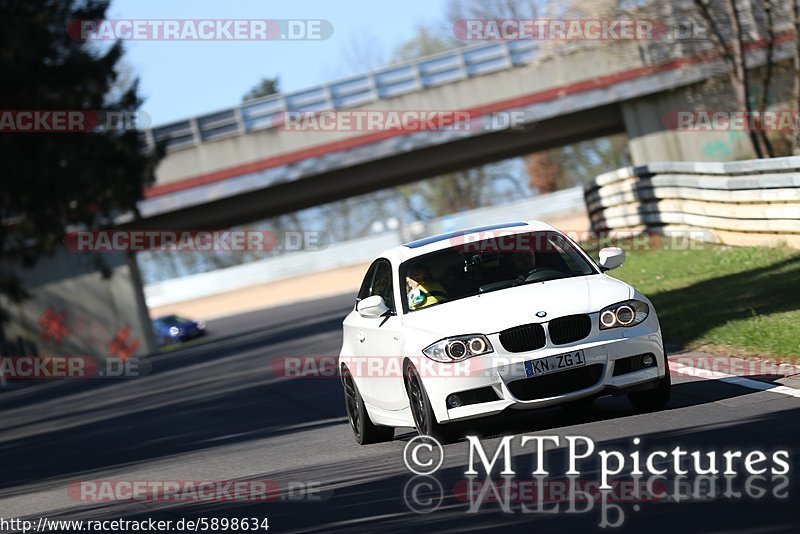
<point x="742" y="203"/>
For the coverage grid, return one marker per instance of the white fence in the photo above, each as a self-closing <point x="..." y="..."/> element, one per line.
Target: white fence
<point x="744" y="203"/>
<point x="350" y="252"/>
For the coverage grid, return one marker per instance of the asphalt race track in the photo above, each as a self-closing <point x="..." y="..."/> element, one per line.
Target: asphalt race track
<point x="214" y="411"/>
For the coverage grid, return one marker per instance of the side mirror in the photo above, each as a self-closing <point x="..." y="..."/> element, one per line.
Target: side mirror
<point x="372" y="307"/>
<point x="611" y="258"/>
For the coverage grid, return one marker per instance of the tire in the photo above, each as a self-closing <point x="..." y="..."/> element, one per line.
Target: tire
<point x="653" y="399"/>
<point x="422" y="411"/>
<point x="364" y="430"/>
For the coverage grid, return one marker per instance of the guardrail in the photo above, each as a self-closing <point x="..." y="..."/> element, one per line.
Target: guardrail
<point x="354" y="91"/>
<point x="351" y="252"/>
<point x="744" y="203"/>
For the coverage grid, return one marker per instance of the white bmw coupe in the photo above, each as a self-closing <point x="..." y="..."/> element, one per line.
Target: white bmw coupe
<point x="504" y="317"/>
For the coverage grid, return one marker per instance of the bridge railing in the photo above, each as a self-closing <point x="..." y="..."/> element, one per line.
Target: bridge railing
<point x="389" y="82"/>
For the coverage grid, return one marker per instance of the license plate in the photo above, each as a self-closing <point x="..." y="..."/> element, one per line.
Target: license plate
<point x="553" y="364"/>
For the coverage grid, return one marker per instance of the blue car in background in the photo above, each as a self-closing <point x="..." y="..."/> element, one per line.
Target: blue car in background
<point x="171" y="329"/>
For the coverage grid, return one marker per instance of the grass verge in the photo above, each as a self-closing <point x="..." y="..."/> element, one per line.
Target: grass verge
<point x="739" y="301"/>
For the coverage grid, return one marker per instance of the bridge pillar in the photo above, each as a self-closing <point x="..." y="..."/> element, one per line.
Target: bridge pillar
<point x="651" y="139"/>
<point x="73" y="310"/>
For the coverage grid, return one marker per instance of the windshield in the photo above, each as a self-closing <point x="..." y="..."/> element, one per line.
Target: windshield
<point x="473" y="268"/>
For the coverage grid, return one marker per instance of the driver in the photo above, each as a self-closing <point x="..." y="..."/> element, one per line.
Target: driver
<point x="422" y="289"/>
<point x="523" y="263"/>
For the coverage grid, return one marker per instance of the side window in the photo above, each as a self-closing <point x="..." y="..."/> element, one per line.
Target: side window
<point x="382" y="283"/>
<point x="366" y="285"/>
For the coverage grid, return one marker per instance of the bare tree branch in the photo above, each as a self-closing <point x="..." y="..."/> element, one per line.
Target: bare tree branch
<point x="796" y="85"/>
<point x="764" y="100"/>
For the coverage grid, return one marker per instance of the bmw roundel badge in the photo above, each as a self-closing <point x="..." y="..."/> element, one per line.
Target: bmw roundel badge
<point x="541" y="313"/>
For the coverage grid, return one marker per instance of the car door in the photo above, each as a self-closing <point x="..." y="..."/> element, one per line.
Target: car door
<point x="380" y="340"/>
<point x="354" y="323"/>
<point x="356" y="350"/>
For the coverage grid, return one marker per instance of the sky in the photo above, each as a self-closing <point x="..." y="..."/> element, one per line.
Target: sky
<point x="180" y="79"/>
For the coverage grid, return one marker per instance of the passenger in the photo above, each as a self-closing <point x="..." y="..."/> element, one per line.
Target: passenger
<point x="422" y="290"/>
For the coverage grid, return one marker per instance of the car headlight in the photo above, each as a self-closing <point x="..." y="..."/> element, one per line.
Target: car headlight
<point x="628" y="313"/>
<point x="458" y="348"/>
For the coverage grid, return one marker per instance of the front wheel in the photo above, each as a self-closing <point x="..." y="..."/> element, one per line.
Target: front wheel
<point x="364" y="429"/>
<point x="653" y="399"/>
<point x="421" y="409"/>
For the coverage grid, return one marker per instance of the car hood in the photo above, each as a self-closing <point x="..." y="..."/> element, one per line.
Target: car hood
<point x="491" y="312"/>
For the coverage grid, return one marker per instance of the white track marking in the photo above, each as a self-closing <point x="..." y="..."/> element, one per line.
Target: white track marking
<point x="733" y="379"/>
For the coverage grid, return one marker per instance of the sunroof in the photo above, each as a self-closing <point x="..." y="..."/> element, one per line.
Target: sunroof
<point x="433" y="239"/>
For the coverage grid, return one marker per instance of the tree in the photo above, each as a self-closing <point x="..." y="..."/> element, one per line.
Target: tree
<point x="501" y="9"/>
<point x="266" y="87"/>
<point x="362" y="52"/>
<point x="568" y="166"/>
<point x="545" y="170"/>
<point x="425" y="42"/>
<point x="725" y="19"/>
<point x="734" y="31"/>
<point x="53" y="181"/>
<point x="796" y="65"/>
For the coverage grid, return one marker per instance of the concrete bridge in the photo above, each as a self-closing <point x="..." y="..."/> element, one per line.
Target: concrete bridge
<point x="238" y="165"/>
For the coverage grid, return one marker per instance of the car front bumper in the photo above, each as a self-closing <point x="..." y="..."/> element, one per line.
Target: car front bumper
<point x="499" y="370"/>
